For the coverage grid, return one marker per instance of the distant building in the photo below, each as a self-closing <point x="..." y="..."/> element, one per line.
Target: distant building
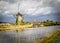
<point x="35" y="24"/>
<point x="4" y="24"/>
<point x="18" y="18"/>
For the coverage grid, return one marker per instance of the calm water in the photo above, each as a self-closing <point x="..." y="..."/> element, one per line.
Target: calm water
<point x="27" y="35"/>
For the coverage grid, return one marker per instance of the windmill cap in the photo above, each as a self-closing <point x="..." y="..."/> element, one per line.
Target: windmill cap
<point x="19" y="14"/>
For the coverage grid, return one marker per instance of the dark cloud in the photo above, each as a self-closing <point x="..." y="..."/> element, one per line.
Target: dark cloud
<point x="10" y="1"/>
<point x="53" y="3"/>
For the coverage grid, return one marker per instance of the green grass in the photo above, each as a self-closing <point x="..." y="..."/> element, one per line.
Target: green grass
<point x="54" y="38"/>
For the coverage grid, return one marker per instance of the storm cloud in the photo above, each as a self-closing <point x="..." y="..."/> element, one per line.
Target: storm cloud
<point x="30" y="7"/>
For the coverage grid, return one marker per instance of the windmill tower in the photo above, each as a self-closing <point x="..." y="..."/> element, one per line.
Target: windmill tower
<point x="18" y="17"/>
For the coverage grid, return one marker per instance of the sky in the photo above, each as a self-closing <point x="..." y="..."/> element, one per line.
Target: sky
<point x="39" y="10"/>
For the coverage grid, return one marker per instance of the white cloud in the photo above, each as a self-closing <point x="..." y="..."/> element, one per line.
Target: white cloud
<point x="6" y="12"/>
<point x="43" y="10"/>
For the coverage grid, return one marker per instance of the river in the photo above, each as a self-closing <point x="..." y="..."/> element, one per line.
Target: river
<point x="27" y="35"/>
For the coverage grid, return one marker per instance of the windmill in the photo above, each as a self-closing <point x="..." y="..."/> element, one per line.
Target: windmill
<point x="18" y="16"/>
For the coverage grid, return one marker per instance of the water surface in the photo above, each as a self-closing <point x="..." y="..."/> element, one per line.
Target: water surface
<point x="28" y="35"/>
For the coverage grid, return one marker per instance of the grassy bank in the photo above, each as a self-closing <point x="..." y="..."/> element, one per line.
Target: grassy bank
<point x="51" y="38"/>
